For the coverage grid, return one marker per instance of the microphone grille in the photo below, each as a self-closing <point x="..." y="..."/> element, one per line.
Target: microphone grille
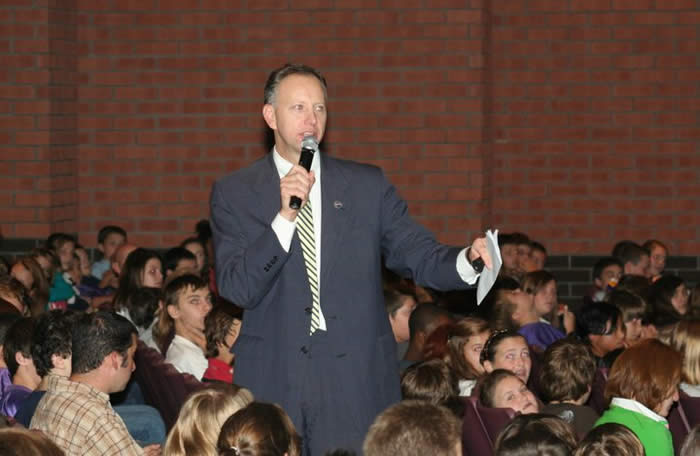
<point x="309" y="142"/>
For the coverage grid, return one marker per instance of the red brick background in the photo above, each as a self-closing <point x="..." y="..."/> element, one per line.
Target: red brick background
<point x="573" y="120"/>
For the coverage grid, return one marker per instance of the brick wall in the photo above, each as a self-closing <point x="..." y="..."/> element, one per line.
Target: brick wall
<point x="573" y="120"/>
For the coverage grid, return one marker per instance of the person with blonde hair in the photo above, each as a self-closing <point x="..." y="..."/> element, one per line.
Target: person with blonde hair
<point x="197" y="427"/>
<point x="260" y="429"/>
<point x="685" y="338"/>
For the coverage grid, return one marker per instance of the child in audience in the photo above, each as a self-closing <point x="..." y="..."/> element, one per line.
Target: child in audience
<point x="633" y="312"/>
<point x="17" y="441"/>
<point x="503" y="389"/>
<point x="13" y="292"/>
<point x="610" y="439"/>
<point x="414" y="428"/>
<point x="641" y="388"/>
<point x="543" y="286"/>
<point x="177" y="260"/>
<point x="201" y="417"/>
<point x="18" y="358"/>
<point x="507" y="350"/>
<point x="431" y="381"/>
<point x="29" y="273"/>
<point x="606" y="275"/>
<point x="187" y="303"/>
<point x="565" y="380"/>
<point x="669" y="297"/>
<point x="141" y="269"/>
<point x="599" y="325"/>
<point x="109" y="239"/>
<point x="465" y="341"/>
<point x="61" y="293"/>
<point x="658" y="253"/>
<point x="538" y="256"/>
<point x="685" y="338"/>
<point x="195" y="246"/>
<point x="260" y="429"/>
<point x="47" y="260"/>
<point x="143" y="305"/>
<point x="515" y="310"/>
<point x="221" y="329"/>
<point x="534" y="435"/>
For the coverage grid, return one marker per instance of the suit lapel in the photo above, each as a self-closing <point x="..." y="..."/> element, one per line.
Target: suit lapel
<point x="336" y="215"/>
<point x="267" y="186"/>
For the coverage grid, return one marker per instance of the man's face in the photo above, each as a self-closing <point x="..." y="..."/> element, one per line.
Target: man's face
<point x="298" y="110"/>
<point x="126" y="367"/>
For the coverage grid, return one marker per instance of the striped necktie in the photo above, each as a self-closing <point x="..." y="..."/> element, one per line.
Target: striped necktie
<point x="305" y="229"/>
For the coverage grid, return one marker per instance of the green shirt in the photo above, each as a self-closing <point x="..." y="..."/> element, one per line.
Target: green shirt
<point x="654" y="435"/>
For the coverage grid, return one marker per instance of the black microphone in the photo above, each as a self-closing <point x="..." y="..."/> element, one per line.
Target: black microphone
<point x="308" y="147"/>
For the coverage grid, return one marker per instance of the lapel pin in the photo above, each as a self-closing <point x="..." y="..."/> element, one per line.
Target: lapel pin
<point x="338" y="204"/>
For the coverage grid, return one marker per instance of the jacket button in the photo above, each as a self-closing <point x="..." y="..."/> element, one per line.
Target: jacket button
<point x="304" y="350"/>
<point x="307" y="310"/>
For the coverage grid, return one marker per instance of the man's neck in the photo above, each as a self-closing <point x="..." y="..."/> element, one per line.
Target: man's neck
<point x="291" y="156"/>
<point x="27" y="380"/>
<point x="91" y="379"/>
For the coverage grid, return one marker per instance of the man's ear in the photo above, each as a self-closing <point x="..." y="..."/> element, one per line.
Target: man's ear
<point x="268" y="113"/>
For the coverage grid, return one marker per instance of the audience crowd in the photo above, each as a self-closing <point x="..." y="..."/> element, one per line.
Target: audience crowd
<point x="522" y="374"/>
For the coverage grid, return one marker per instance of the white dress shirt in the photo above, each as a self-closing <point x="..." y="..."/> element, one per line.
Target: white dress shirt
<point x="187" y="357"/>
<point x="284" y="229"/>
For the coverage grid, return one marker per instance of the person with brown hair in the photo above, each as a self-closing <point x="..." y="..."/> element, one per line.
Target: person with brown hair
<point x="201" y="417"/>
<point x="17" y="441"/>
<point x="565" y="380"/>
<point x="431" y="381"/>
<point x="221" y="328"/>
<point x="536" y="434"/>
<point x="503" y="389"/>
<point x="641" y="388"/>
<point x="658" y="252"/>
<point x="507" y="350"/>
<point x="685" y="338"/>
<point x="28" y="271"/>
<point x="414" y="428"/>
<point x="465" y="340"/>
<point x="610" y="439"/>
<point x="260" y="429"/>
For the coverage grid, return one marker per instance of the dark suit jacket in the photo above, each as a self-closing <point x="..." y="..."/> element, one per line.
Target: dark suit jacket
<point x="363" y="219"/>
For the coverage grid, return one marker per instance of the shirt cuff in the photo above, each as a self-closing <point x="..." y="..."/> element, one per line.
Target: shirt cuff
<point x="464" y="269"/>
<point x="284" y="229"/>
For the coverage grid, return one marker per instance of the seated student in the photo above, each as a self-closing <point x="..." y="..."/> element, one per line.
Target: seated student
<point x="669" y="297"/>
<point x="414" y="428"/>
<point x="198" y="249"/>
<point x="512" y="247"/>
<point x="47" y="260"/>
<point x="515" y="310"/>
<point x="51" y="353"/>
<point x="538" y="256"/>
<point x="465" y="340"/>
<point x="607" y="272"/>
<point x="52" y="350"/>
<point x="634" y="258"/>
<point x="201" y="418"/>
<point x="685" y="338"/>
<point x="633" y="312"/>
<point x="507" y="350"/>
<point x="260" y="429"/>
<point x="691" y="444"/>
<point x="399" y="304"/>
<point x="565" y="381"/>
<point x="187" y="303"/>
<point x="16" y="441"/>
<point x="18" y="358"/>
<point x="543" y="286"/>
<point x="61" y="293"/>
<point x="179" y="260"/>
<point x="75" y="413"/>
<point x="431" y="381"/>
<point x="501" y="388"/>
<point x="423" y="320"/>
<point x="641" y="392"/>
<point x="658" y="253"/>
<point x="221" y="328"/>
<point x="29" y="273"/>
<point x="142" y="268"/>
<point x="6" y="321"/>
<point x="640" y="286"/>
<point x="599" y="325"/>
<point x="534" y="435"/>
<point x="109" y="239"/>
<point x="610" y="439"/>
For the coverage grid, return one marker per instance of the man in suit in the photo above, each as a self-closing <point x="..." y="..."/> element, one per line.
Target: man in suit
<point x="315" y="337"/>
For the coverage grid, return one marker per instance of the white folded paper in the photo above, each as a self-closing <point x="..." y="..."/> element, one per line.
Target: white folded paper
<point x="488" y="276"/>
